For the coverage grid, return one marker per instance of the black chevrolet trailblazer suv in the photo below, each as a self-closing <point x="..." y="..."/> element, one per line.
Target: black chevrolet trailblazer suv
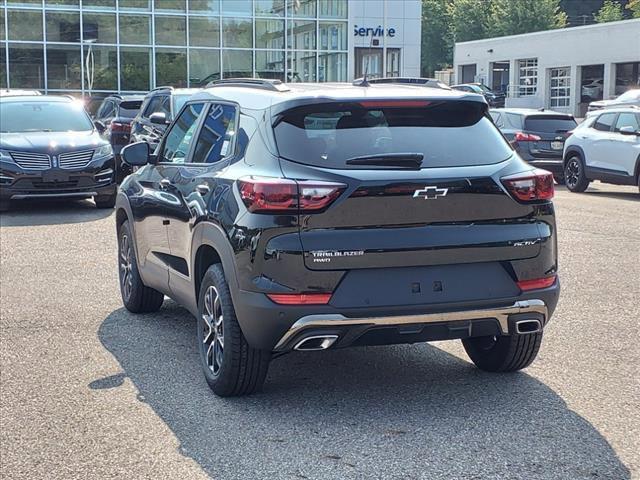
<point x="307" y="217"/>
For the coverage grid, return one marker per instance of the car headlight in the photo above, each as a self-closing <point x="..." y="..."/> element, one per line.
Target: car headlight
<point x="5" y="156"/>
<point x="103" y="151"/>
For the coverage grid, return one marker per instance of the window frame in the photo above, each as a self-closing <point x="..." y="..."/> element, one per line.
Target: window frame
<point x="528" y="69"/>
<point x="207" y="107"/>
<point x="234" y="142"/>
<point x="616" y="129"/>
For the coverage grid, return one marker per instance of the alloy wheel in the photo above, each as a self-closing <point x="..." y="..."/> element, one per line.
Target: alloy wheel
<point x="213" y="330"/>
<point x="572" y="173"/>
<point x="126" y="274"/>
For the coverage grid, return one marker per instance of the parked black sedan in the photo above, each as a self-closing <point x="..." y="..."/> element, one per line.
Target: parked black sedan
<point x="49" y="148"/>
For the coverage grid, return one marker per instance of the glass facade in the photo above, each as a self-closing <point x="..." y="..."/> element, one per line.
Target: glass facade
<point x="91" y="46"/>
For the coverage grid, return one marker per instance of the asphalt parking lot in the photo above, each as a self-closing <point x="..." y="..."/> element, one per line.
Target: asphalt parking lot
<point x="89" y="390"/>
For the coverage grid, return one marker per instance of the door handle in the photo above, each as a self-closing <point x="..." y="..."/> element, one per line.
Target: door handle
<point x="203" y="189"/>
<point x="165" y="183"/>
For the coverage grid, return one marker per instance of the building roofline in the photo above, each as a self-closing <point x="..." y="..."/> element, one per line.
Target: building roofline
<point x="546" y="32"/>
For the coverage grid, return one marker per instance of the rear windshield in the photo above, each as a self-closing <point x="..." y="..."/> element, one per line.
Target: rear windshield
<point x="129" y="108"/>
<point x="550" y="124"/>
<point x="445" y="133"/>
<point x="36" y="116"/>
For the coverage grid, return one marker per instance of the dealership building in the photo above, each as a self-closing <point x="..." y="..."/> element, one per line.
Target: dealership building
<point x="91" y="46"/>
<point x="561" y="69"/>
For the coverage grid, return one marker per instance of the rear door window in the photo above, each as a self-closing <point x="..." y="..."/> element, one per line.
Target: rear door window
<point x="497" y="119"/>
<point x="178" y="141"/>
<point x="217" y="135"/>
<point x="604" y="122"/>
<point x="549" y="124"/>
<point x="445" y="133"/>
<point x="627" y="120"/>
<point x="154" y="105"/>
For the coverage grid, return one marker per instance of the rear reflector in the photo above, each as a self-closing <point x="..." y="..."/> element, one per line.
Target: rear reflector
<point x="273" y="195"/>
<point x="536" y="284"/>
<point x="530" y="186"/>
<point x="300" y="298"/>
<point x="526" y="137"/>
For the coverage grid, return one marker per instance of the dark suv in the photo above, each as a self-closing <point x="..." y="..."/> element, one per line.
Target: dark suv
<point x="307" y="217"/>
<point x="114" y="117"/>
<point x="158" y="110"/>
<point x="537" y="135"/>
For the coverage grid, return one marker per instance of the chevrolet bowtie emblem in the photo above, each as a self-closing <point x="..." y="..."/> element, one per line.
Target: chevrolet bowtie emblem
<point x="430" y="193"/>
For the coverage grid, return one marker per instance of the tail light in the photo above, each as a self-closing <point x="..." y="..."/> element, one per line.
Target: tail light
<point x="526" y="137"/>
<point x="272" y="195"/>
<point x="530" y="186"/>
<point x="537" y="283"/>
<point x="300" y="298"/>
<point x="120" y="127"/>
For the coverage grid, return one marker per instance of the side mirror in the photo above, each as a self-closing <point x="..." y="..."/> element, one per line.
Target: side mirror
<point x="135" y="154"/>
<point x="629" y="130"/>
<point x="158" y="118"/>
<point x="100" y="127"/>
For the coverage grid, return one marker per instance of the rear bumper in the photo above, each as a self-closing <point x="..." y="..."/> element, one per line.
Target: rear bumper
<point x="280" y="328"/>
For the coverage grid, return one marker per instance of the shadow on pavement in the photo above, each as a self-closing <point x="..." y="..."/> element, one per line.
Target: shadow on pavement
<point x="600" y="190"/>
<point x="383" y="412"/>
<point x="25" y="213"/>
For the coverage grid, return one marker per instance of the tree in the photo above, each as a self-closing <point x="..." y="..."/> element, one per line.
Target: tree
<point x="469" y="19"/>
<point x="610" y="12"/>
<point x="634" y="7"/>
<point x="437" y="38"/>
<point x="512" y="17"/>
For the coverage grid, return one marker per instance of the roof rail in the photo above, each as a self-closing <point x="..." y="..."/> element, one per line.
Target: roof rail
<point x="405" y="80"/>
<point x="164" y="87"/>
<point x="263" y="83"/>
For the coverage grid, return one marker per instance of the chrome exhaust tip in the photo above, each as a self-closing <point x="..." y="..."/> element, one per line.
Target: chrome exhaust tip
<point x="316" y="342"/>
<point x="528" y="326"/>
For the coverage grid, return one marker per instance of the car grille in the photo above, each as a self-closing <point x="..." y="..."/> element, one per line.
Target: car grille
<point x="75" y="159"/>
<point x="31" y="161"/>
<point x="37" y="183"/>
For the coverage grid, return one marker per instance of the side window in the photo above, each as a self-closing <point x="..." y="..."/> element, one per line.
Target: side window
<point x="152" y="107"/>
<point x="165" y="106"/>
<point x="178" y="140"/>
<point x="104" y="109"/>
<point x="515" y="121"/>
<point x="604" y="122"/>
<point x="497" y="119"/>
<point x="627" y="120"/>
<point x="217" y="136"/>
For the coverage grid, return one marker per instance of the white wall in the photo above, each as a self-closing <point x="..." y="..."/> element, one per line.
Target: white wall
<point x="403" y="16"/>
<point x="608" y="44"/>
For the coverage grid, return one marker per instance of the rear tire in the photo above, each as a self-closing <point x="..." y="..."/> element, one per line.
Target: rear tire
<point x="575" y="175"/>
<point x="507" y="353"/>
<point x="136" y="296"/>
<point x="231" y="366"/>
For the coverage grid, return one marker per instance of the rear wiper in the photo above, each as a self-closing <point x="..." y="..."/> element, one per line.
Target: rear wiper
<point x="402" y="160"/>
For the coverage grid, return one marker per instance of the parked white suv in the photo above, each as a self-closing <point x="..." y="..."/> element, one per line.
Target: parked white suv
<point x="605" y="147"/>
